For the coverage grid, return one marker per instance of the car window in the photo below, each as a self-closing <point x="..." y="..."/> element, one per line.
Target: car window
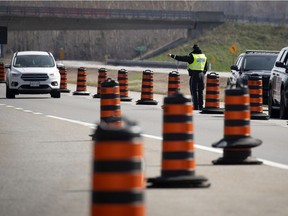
<point x="33" y="61"/>
<point x="238" y="61"/>
<point x="286" y="59"/>
<point x="259" y="62"/>
<point x="283" y="56"/>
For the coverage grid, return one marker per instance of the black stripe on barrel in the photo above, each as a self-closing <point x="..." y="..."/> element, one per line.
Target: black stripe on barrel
<point x="81" y="88"/>
<point x="117" y="180"/>
<point x="110" y="103"/>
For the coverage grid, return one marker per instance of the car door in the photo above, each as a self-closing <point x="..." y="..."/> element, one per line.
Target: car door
<point x="279" y="73"/>
<point x="238" y="63"/>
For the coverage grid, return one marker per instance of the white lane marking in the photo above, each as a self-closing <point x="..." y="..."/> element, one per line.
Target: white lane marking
<point x="37" y="113"/>
<point x="93" y="126"/>
<point x="205" y="148"/>
<point x="219" y="151"/>
<point x="28" y="111"/>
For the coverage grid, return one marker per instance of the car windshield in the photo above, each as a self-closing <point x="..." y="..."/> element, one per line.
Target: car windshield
<point x="259" y="62"/>
<point x="33" y="61"/>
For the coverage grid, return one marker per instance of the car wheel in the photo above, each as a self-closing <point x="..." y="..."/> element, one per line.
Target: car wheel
<point x="9" y="92"/>
<point x="271" y="112"/>
<point x="283" y="107"/>
<point x="56" y="94"/>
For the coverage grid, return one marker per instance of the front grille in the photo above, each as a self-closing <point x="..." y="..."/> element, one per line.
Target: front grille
<point x="34" y="77"/>
<point x="38" y="87"/>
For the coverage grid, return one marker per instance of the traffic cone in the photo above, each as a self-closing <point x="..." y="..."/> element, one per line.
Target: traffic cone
<point x="2" y="73"/>
<point x="118" y="180"/>
<point x="63" y="81"/>
<point x="110" y="103"/>
<point x="256" y="97"/>
<point x="212" y="97"/>
<point x="173" y="82"/>
<point x="81" y="88"/>
<point x="147" y="89"/>
<point x="123" y="83"/>
<point x="237" y="142"/>
<point x="102" y="76"/>
<point x="178" y="161"/>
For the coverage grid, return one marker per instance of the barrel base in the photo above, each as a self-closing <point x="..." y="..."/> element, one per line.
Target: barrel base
<point x="146" y="102"/>
<point x="207" y="110"/>
<point x="246" y="142"/>
<point x="178" y="182"/>
<point x="229" y="161"/>
<point x="259" y="116"/>
<point x="81" y="93"/>
<point x="64" y="90"/>
<point x="239" y="154"/>
<point x="126" y="98"/>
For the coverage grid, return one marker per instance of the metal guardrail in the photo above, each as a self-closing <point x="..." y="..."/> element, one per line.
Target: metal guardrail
<point x="112" y="13"/>
<point x="203" y="16"/>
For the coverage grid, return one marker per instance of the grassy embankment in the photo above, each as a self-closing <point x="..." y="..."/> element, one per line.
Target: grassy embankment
<point x="216" y="45"/>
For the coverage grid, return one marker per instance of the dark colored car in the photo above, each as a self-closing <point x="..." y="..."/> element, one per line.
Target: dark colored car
<point x="251" y="62"/>
<point x="278" y="87"/>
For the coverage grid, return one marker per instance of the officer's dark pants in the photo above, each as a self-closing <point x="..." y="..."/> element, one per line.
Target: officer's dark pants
<point x="196" y="89"/>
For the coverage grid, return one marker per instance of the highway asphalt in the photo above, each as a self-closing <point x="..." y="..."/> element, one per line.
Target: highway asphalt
<point x="45" y="160"/>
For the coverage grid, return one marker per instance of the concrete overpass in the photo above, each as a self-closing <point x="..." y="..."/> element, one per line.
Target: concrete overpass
<point x="56" y="18"/>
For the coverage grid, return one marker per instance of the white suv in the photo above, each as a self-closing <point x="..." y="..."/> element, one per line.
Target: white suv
<point x="32" y="72"/>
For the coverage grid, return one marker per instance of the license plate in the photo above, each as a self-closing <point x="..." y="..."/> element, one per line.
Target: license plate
<point x="34" y="84"/>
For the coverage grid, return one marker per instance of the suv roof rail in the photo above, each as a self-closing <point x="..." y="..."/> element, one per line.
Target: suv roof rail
<point x="262" y="51"/>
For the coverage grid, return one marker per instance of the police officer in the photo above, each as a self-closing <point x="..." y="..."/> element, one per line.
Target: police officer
<point x="197" y="66"/>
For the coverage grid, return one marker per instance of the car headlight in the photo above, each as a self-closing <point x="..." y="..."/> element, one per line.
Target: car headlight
<point x="15" y="74"/>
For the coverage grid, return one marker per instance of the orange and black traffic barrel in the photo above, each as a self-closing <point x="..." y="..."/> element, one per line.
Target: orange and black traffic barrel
<point x="81" y="88"/>
<point x="118" y="181"/>
<point x="256" y="97"/>
<point x="123" y="83"/>
<point x="63" y="81"/>
<point x="178" y="158"/>
<point x="102" y="76"/>
<point x="212" y="96"/>
<point x="2" y="73"/>
<point x="237" y="142"/>
<point x="173" y="82"/>
<point x="110" y="111"/>
<point x="147" y="89"/>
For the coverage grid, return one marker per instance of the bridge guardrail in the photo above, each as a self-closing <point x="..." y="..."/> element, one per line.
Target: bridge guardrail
<point x="113" y="13"/>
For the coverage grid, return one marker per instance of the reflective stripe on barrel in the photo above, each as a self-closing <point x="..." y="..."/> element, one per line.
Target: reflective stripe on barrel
<point x="178" y="143"/>
<point x="102" y="76"/>
<point x="63" y="75"/>
<point x="2" y="72"/>
<point x="81" y="79"/>
<point x="147" y="85"/>
<point x="256" y="93"/>
<point x="110" y="102"/>
<point x="237" y="114"/>
<point x="173" y="82"/>
<point x="117" y="181"/>
<point x="123" y="82"/>
<point x="212" y="97"/>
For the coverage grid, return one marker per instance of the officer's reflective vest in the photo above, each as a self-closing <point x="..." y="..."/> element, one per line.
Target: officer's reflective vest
<point x="198" y="63"/>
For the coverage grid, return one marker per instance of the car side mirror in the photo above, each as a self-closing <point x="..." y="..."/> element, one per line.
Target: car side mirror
<point x="234" y="67"/>
<point x="7" y="66"/>
<point x="280" y="64"/>
<point x="58" y="65"/>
